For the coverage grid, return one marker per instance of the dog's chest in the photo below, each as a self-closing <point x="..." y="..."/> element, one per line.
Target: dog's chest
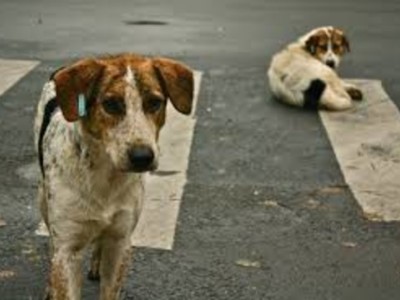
<point x="97" y="203"/>
<point x="84" y="192"/>
<point x="109" y="193"/>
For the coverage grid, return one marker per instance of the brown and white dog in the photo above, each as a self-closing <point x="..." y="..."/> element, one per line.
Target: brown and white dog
<point x="304" y="73"/>
<point x="96" y="132"/>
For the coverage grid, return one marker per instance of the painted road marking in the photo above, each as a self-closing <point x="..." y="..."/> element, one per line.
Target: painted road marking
<point x="164" y="188"/>
<point x="366" y="142"/>
<point x="12" y="71"/>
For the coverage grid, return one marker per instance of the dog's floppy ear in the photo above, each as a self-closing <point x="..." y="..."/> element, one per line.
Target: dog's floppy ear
<point x="177" y="82"/>
<point x="311" y="44"/>
<point x="345" y="42"/>
<point x="341" y="38"/>
<point x="76" y="83"/>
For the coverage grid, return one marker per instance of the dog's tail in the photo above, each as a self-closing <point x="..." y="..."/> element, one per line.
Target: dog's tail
<point x="312" y="95"/>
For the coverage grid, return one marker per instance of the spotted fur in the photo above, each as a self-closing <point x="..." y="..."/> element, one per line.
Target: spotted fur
<point x="91" y="191"/>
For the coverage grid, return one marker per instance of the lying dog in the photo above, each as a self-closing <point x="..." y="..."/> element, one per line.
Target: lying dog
<point x="96" y="133"/>
<point x="304" y="73"/>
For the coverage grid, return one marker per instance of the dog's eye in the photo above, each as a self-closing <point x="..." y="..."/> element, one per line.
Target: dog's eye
<point x="323" y="47"/>
<point x="154" y="104"/>
<point x="114" y="106"/>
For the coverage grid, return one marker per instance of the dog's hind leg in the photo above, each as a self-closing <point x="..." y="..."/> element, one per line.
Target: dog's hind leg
<point x="42" y="200"/>
<point x="332" y="100"/>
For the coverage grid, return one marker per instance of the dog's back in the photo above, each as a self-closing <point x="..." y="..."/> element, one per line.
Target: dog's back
<point x="290" y="74"/>
<point x="48" y="94"/>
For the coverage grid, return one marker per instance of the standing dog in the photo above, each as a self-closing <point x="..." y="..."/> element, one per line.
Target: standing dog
<point x="304" y="73"/>
<point x="96" y="133"/>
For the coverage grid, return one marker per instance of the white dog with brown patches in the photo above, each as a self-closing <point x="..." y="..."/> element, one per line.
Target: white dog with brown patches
<point x="304" y="73"/>
<point x="96" y="133"/>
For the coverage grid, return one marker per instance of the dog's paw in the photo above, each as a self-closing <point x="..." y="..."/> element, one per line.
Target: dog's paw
<point x="93" y="276"/>
<point x="355" y="93"/>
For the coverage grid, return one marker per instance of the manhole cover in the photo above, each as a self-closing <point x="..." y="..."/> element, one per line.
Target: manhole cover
<point x="145" y="23"/>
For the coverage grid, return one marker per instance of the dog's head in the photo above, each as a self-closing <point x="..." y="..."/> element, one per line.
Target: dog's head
<point x="327" y="44"/>
<point x="121" y="103"/>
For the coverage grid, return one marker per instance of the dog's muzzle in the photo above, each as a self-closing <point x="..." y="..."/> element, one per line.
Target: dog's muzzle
<point x="141" y="159"/>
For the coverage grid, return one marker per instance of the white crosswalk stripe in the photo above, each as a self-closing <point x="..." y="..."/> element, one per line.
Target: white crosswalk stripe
<point x="12" y="71"/>
<point x="156" y="228"/>
<point x="366" y="141"/>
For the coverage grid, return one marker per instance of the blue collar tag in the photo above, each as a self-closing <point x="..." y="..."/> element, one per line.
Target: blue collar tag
<point x="81" y="105"/>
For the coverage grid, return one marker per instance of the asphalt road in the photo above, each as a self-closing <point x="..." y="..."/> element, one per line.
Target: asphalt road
<point x="265" y="213"/>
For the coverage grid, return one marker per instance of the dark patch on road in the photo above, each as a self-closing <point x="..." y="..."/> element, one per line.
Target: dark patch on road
<point x="145" y="23"/>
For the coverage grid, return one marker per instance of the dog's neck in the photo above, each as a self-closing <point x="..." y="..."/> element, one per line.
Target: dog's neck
<point x="297" y="46"/>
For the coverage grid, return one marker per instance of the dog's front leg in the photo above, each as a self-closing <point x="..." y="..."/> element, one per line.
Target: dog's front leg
<point x="115" y="259"/>
<point x="65" y="276"/>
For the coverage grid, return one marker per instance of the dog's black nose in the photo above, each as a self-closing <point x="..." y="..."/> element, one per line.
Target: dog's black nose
<point x="141" y="158"/>
<point x="330" y="64"/>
